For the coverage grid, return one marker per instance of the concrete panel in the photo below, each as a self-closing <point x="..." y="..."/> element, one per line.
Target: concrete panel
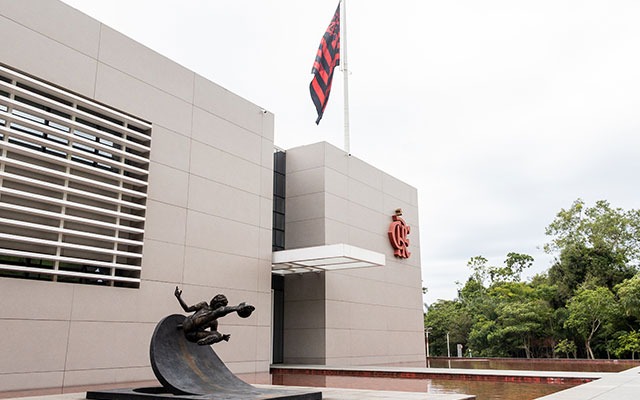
<point x="168" y="185"/>
<point x="365" y="195"/>
<point x="242" y="346"/>
<point x="27" y="299"/>
<point x="135" y="59"/>
<point x="407" y="343"/>
<point x="367" y="219"/>
<point x="365" y="173"/>
<point x="105" y="304"/>
<point x="170" y="148"/>
<point x="305" y="346"/>
<point x="165" y="223"/>
<point x="31" y="380"/>
<point x="266" y="183"/>
<point x="399" y="190"/>
<point x="210" y="268"/>
<point x="338" y="314"/>
<point x="368" y="317"/>
<point x="216" y="165"/>
<point x="369" y="343"/>
<point x="336" y="208"/>
<point x="162" y="261"/>
<point x="227" y="105"/>
<point x="264" y="278"/>
<point x="305" y="157"/>
<point x="57" y="21"/>
<point x="405" y="275"/>
<point x="304" y="233"/>
<point x="357" y="290"/>
<point x="409" y="212"/>
<point x="266" y="213"/>
<point x="265" y="242"/>
<point x="336" y="183"/>
<point x="156" y="301"/>
<point x="108" y="376"/>
<point x="32" y="345"/>
<point x="337" y="232"/>
<point x="261" y="317"/>
<point x="371" y="273"/>
<point x="304" y="287"/>
<point x="224" y="201"/>
<point x="305" y="181"/>
<point x="268" y="124"/>
<point x="263" y="340"/>
<point x="64" y="66"/>
<point x="226" y="136"/>
<point x="378" y="241"/>
<point x="402" y="296"/>
<point x="143" y="100"/>
<point x="223" y="235"/>
<point x="405" y="319"/>
<point x="267" y="149"/>
<point x="305" y="207"/>
<point x="94" y="345"/>
<point x="336" y="159"/>
<point x="305" y="314"/>
<point x="338" y="343"/>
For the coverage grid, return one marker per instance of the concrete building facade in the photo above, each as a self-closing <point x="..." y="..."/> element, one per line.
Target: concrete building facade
<point x="124" y="175"/>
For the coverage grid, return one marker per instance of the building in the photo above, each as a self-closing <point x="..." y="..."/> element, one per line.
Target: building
<point x="124" y="175"/>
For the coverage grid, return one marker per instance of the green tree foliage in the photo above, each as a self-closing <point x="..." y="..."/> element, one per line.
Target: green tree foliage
<point x="567" y="347"/>
<point x="446" y="316"/>
<point x="629" y="295"/>
<point x="628" y="342"/>
<point x="598" y="243"/>
<point x="588" y="311"/>
<point x="587" y="304"/>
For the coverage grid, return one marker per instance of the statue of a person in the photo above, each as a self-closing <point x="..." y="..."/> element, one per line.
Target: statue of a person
<point x="205" y="316"/>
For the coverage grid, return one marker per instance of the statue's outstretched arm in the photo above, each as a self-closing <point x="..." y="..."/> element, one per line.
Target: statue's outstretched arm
<point x="185" y="307"/>
<point x="222" y="311"/>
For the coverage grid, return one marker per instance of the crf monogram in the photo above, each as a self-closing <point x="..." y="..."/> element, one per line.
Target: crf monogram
<point x="398" y="231"/>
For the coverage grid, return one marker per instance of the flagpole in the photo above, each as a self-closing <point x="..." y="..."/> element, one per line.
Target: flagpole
<point x="345" y="75"/>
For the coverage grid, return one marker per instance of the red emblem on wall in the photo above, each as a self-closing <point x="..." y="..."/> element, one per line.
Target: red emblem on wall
<point x="398" y="232"/>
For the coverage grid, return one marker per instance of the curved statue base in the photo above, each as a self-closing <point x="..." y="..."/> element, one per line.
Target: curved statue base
<point x="190" y="371"/>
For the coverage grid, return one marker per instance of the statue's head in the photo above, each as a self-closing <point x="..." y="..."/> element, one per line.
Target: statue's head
<point x="219" y="300"/>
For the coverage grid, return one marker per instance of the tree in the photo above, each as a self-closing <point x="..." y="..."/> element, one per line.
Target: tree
<point x="588" y="310"/>
<point x="510" y="272"/>
<point x="601" y="226"/>
<point x="447" y="316"/>
<point x="628" y="342"/>
<point x="567" y="347"/>
<point x="598" y="243"/>
<point x="629" y="294"/>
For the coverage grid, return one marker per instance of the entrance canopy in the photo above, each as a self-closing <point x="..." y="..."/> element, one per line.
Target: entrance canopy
<point x="324" y="258"/>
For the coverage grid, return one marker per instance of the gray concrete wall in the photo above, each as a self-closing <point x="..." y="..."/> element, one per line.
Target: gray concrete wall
<point x="371" y="315"/>
<point x="208" y="225"/>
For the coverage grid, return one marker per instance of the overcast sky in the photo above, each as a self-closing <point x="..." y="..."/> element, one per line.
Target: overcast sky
<point x="500" y="112"/>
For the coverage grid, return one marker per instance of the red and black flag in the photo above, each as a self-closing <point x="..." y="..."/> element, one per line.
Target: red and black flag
<point x="327" y="58"/>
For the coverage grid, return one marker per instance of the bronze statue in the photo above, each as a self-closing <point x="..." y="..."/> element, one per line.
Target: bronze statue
<point x="206" y="316"/>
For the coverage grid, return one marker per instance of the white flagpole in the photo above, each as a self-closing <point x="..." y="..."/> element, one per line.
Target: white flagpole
<point x="345" y="74"/>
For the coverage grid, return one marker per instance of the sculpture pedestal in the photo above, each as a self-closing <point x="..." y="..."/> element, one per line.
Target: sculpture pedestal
<point x="189" y="371"/>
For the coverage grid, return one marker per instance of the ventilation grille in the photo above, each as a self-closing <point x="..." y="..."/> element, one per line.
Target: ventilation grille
<point x="73" y="186"/>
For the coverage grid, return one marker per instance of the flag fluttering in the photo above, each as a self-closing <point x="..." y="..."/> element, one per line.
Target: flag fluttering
<point x="327" y="58"/>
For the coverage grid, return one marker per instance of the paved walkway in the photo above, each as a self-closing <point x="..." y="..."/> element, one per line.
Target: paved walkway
<point x="607" y="386"/>
<point x="624" y="385"/>
<point x="327" y="394"/>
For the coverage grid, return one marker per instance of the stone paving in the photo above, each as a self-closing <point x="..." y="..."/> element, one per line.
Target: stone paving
<point x="327" y="394"/>
<point x="607" y="386"/>
<point x="624" y="385"/>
